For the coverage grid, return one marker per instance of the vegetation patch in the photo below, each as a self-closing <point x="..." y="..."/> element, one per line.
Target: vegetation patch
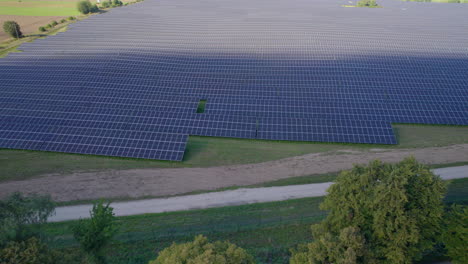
<point x="365" y="3"/>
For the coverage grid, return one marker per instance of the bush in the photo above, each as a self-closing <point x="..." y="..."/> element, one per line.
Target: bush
<point x="394" y="212"/>
<point x="95" y="233"/>
<point x="105" y="4"/>
<point x="31" y="251"/>
<point x="42" y="29"/>
<point x="117" y="3"/>
<point x="21" y="217"/>
<point x="12" y="29"/>
<point x="49" y="26"/>
<point x="63" y="21"/>
<point x="54" y="23"/>
<point x="455" y="234"/>
<point x="367" y="3"/>
<point x="94" y="9"/>
<point x="200" y="252"/>
<point x="84" y="7"/>
<point x="71" y="18"/>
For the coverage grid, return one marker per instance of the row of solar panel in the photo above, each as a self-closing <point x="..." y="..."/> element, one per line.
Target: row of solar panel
<point x="97" y="142"/>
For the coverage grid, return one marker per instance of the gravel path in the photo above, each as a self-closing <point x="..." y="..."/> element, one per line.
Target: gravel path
<point x="164" y="182"/>
<point x="220" y="199"/>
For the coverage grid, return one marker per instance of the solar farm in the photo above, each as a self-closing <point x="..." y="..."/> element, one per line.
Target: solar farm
<point x="131" y="82"/>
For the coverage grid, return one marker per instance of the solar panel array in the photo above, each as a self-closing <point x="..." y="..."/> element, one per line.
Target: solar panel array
<point x="128" y="82"/>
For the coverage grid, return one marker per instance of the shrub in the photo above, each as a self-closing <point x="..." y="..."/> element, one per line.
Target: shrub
<point x="63" y="21"/>
<point x="367" y="3"/>
<point x="31" y="251"/>
<point x="117" y="3"/>
<point x="49" y="26"/>
<point x="12" y="29"/>
<point x="84" y="7"/>
<point x="54" y="23"/>
<point x="200" y="252"/>
<point x="95" y="233"/>
<point x="42" y="29"/>
<point x="71" y="18"/>
<point x="455" y="234"/>
<point x="395" y="212"/>
<point x="21" y="217"/>
<point x="105" y="4"/>
<point x="94" y="9"/>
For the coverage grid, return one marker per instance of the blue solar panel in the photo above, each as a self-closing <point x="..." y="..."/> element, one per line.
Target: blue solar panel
<point x="272" y="70"/>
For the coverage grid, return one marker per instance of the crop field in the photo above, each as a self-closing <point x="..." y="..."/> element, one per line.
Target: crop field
<point x="38" y="8"/>
<point x="32" y="14"/>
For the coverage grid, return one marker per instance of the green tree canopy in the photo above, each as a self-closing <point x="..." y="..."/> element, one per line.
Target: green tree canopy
<point x="455" y="235"/>
<point x="394" y="210"/>
<point x="31" y="251"/>
<point x="200" y="251"/>
<point x="96" y="233"/>
<point x="12" y="29"/>
<point x="21" y="216"/>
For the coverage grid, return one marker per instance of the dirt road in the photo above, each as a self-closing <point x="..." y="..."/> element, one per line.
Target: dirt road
<point x="220" y="199"/>
<point x="163" y="182"/>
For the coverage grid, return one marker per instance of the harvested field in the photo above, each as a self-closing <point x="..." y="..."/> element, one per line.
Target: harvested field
<point x="29" y="24"/>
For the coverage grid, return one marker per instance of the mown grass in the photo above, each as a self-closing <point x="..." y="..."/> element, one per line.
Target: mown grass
<point x="208" y="151"/>
<point x="266" y="230"/>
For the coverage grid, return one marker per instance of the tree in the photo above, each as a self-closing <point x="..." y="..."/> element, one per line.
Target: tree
<point x="21" y="217"/>
<point x="346" y="248"/>
<point x="54" y="23"/>
<point x="106" y="4"/>
<point x="396" y="209"/>
<point x="96" y="233"/>
<point x="31" y="251"/>
<point x="94" y="8"/>
<point x="42" y="29"/>
<point x="84" y="7"/>
<point x="117" y="3"/>
<point x="455" y="234"/>
<point x="12" y="29"/>
<point x="200" y="251"/>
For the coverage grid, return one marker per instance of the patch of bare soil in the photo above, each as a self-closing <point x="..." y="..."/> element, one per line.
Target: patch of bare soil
<point x="28" y="24"/>
<point x="163" y="182"/>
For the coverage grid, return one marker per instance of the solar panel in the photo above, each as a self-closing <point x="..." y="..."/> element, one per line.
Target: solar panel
<point x="268" y="69"/>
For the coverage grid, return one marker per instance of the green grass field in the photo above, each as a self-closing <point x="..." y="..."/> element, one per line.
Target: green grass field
<point x="38" y="8"/>
<point x="266" y="230"/>
<point x="207" y="151"/>
<point x="41" y="8"/>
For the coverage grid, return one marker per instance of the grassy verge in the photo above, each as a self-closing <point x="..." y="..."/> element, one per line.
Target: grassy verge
<point x="266" y="230"/>
<point x="208" y="151"/>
